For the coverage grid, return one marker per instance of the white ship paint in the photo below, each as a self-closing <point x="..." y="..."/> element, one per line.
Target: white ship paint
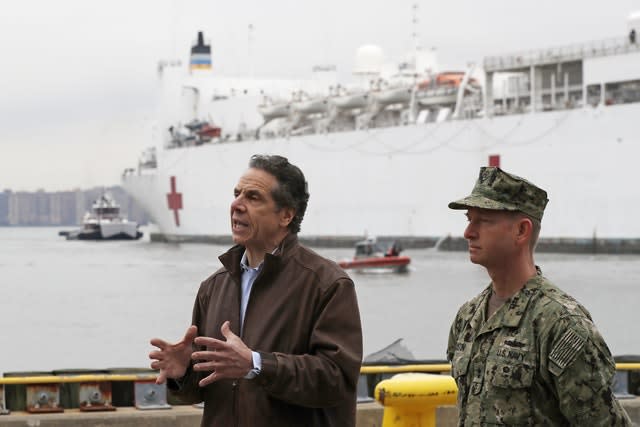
<point x="578" y="143"/>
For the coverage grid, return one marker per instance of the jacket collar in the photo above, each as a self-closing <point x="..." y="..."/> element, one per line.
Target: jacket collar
<point x="272" y="262"/>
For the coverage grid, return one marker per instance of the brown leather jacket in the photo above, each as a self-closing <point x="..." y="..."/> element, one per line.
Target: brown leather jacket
<point x="302" y="316"/>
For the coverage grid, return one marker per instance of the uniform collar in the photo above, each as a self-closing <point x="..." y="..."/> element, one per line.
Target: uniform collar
<point x="511" y="313"/>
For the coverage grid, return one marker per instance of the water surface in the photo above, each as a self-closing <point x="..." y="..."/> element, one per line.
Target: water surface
<point x="95" y="305"/>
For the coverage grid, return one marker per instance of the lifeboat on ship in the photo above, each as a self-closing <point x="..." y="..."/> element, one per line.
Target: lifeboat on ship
<point x="451" y="79"/>
<point x="376" y="256"/>
<point x="310" y="106"/>
<point x="442" y="89"/>
<point x="274" y="110"/>
<point x="208" y="132"/>
<point x="399" y="94"/>
<point x="350" y="101"/>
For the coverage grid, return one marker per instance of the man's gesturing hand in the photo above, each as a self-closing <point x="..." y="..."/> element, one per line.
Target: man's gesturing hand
<point x="173" y="359"/>
<point x="224" y="359"/>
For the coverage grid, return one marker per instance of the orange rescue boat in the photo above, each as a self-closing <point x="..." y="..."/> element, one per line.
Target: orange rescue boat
<point x="373" y="255"/>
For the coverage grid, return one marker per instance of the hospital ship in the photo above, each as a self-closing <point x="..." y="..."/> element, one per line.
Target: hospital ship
<point x="385" y="153"/>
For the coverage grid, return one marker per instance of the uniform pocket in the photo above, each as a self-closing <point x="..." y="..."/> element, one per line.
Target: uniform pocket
<point x="509" y="393"/>
<point x="459" y="367"/>
<point x="459" y="364"/>
<point x="511" y="375"/>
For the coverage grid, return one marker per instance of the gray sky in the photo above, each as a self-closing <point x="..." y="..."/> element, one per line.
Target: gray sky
<point x="78" y="77"/>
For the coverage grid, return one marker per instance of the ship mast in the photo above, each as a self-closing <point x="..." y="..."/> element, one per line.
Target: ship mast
<point x="414" y="26"/>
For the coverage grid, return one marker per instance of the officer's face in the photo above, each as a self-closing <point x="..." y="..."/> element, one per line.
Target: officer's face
<point x="491" y="236"/>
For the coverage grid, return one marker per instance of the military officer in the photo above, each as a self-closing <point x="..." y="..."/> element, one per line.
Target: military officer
<point x="523" y="352"/>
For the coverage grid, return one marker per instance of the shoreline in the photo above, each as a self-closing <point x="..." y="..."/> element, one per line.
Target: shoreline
<point x="566" y="245"/>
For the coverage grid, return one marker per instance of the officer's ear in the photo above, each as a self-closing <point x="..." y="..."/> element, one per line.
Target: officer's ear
<point x="524" y="229"/>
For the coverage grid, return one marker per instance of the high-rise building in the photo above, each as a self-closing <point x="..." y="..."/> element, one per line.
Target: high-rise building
<point x="60" y="208"/>
<point x="4" y="207"/>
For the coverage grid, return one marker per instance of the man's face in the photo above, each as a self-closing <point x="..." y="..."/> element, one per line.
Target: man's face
<point x="491" y="236"/>
<point x="256" y="221"/>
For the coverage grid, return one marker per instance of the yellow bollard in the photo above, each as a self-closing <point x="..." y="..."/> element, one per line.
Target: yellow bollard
<point x="411" y="399"/>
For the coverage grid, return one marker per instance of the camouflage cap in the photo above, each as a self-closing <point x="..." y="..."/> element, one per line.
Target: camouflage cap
<point x="499" y="190"/>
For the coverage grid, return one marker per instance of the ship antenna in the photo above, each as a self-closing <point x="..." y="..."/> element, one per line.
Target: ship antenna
<point x="250" y="48"/>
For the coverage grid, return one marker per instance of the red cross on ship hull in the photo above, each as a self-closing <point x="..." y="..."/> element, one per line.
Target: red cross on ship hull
<point x="174" y="200"/>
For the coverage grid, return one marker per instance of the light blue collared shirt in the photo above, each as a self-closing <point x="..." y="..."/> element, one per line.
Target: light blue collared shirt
<point x="249" y="275"/>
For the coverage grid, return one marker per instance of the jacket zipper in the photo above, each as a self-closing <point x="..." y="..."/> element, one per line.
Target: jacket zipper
<point x="234" y="396"/>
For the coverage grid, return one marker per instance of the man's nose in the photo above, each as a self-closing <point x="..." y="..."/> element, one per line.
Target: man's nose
<point x="469" y="232"/>
<point x="237" y="203"/>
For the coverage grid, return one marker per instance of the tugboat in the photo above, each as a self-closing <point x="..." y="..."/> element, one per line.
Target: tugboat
<point x="104" y="222"/>
<point x="373" y="255"/>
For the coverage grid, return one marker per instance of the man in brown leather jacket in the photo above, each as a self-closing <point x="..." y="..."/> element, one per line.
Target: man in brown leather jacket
<point x="276" y="338"/>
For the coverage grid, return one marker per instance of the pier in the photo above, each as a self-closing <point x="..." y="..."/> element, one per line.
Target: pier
<point x="368" y="415"/>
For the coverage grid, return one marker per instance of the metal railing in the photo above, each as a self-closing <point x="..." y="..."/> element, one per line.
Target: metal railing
<point x="611" y="46"/>
<point x="364" y="370"/>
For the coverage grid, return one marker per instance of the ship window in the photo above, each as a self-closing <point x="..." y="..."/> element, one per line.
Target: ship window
<point x="593" y="94"/>
<point x="622" y="92"/>
<point x="364" y="249"/>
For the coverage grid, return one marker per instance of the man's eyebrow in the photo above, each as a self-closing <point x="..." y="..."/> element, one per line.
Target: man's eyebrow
<point x="253" y="192"/>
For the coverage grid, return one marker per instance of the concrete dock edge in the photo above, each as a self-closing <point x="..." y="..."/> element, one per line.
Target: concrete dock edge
<point x="369" y="415"/>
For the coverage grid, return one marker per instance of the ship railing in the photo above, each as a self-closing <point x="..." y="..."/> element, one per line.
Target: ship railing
<point x="553" y="55"/>
<point x="518" y="102"/>
<point x="558" y="91"/>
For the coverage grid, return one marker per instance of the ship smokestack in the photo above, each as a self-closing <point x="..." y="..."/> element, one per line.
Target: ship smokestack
<point x="200" y="55"/>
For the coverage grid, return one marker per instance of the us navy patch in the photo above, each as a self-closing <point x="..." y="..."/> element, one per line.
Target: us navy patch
<point x="511" y="354"/>
<point x="566" y="349"/>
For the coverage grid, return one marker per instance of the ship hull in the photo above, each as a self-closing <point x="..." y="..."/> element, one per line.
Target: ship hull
<point x="97" y="235"/>
<point x="397" y="181"/>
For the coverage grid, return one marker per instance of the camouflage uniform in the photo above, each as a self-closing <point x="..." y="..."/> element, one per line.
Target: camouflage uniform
<point x="539" y="360"/>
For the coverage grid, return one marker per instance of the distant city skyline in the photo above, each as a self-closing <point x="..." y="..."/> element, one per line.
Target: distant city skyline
<point x="61" y="208"/>
<point x="79" y="78"/>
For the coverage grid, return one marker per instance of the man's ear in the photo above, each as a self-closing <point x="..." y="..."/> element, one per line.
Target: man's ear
<point x="524" y="229"/>
<point x="286" y="216"/>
